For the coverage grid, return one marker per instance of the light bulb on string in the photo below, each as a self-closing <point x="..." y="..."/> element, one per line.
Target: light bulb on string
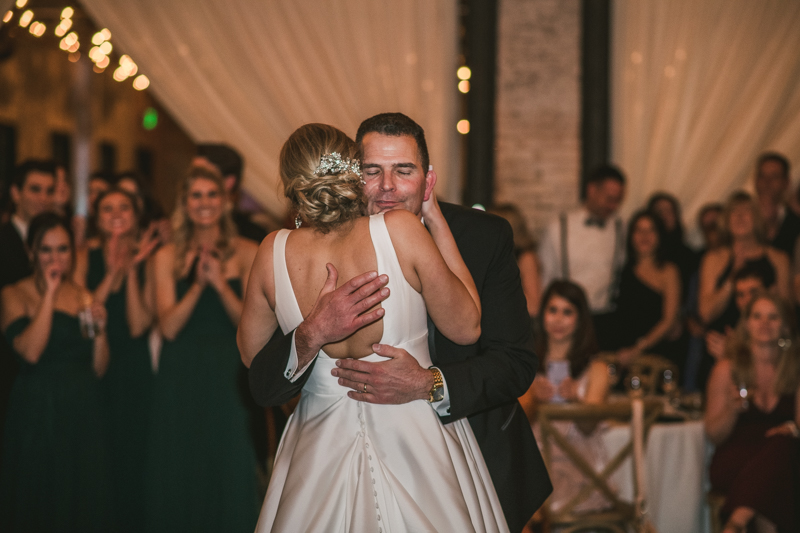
<point x="8" y="16"/>
<point x="21" y="3"/>
<point x="106" y="34"/>
<point x="106" y="48"/>
<point x="67" y="12"/>
<point x="141" y="82"/>
<point x="26" y="18"/>
<point x="97" y="39"/>
<point x="103" y="63"/>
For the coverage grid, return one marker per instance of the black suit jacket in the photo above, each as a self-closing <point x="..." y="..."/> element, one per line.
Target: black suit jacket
<point x="484" y="380"/>
<point x="14" y="265"/>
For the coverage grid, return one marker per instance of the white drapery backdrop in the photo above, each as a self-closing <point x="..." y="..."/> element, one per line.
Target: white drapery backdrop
<point x="249" y="72"/>
<point x="700" y="88"/>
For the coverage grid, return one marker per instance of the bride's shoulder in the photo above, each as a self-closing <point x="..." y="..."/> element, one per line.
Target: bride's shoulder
<point x="402" y="219"/>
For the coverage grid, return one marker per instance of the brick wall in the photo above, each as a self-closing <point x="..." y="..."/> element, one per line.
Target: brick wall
<point x="538" y="107"/>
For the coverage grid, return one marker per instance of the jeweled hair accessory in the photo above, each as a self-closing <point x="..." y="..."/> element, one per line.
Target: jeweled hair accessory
<point x="332" y="164"/>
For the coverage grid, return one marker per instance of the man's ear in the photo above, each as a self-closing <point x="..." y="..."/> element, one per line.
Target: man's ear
<point x="230" y="183"/>
<point x="430" y="183"/>
<point x="14" y="191"/>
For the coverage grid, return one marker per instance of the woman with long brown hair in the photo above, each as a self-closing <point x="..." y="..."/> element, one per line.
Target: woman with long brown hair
<point x="202" y="464"/>
<point x="752" y="413"/>
<point x="53" y="475"/>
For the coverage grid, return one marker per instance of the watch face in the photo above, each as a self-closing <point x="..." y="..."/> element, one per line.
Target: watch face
<point x="438" y="394"/>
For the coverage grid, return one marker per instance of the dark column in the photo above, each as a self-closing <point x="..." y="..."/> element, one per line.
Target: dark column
<point x="595" y="91"/>
<point x="480" y="52"/>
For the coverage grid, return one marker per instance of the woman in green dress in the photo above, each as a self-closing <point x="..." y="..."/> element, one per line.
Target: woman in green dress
<point x="53" y="475"/>
<point x="114" y="272"/>
<point x="201" y="462"/>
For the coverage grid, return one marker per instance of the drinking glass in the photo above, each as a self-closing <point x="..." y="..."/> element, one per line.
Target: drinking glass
<point x="88" y="323"/>
<point x="743" y="394"/>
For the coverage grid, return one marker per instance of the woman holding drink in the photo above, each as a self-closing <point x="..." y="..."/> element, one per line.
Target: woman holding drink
<point x="53" y="474"/>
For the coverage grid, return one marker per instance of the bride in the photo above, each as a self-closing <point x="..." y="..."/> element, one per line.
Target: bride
<point x="344" y="465"/>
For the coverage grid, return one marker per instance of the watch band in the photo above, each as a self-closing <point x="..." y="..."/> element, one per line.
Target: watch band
<point x="438" y="384"/>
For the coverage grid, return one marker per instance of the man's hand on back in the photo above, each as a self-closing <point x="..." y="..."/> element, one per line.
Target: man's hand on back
<point x="338" y="313"/>
<point x="399" y="380"/>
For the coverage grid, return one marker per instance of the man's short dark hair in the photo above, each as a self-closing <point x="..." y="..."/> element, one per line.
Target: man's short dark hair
<point x="756" y="270"/>
<point x="776" y="158"/>
<point x="226" y="159"/>
<point x="605" y="172"/>
<point x="396" y="125"/>
<point x="32" y="165"/>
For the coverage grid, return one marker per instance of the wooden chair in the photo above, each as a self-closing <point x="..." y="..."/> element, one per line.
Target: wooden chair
<point x="621" y="514"/>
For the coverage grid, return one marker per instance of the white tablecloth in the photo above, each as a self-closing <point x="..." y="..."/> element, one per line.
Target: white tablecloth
<point x="677" y="457"/>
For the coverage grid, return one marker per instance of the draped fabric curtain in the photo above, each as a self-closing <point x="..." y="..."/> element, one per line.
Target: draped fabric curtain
<point x="248" y="72"/>
<point x="700" y="89"/>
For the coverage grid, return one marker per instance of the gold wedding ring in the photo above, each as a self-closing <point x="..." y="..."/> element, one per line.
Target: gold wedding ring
<point x="365" y="388"/>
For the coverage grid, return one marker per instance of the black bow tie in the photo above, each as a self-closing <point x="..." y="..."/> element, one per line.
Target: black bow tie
<point x="594" y="221"/>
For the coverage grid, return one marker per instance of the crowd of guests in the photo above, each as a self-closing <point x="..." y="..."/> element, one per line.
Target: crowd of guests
<point x="125" y="404"/>
<point x="724" y="315"/>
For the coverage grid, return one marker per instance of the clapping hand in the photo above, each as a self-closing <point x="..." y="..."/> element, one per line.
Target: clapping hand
<point x="568" y="389"/>
<point x="147" y="244"/>
<point x="210" y="269"/>
<point x="99" y="316"/>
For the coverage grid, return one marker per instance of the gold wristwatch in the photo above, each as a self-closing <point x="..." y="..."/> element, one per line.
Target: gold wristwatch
<point x="436" y="393"/>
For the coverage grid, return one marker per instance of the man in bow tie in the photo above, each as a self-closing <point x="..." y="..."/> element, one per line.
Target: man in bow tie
<point x="587" y="245"/>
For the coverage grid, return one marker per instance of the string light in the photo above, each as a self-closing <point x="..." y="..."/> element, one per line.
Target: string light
<point x="103" y="63"/>
<point x="97" y="39"/>
<point x="106" y="48"/>
<point x="74" y="57"/>
<point x="21" y="3"/>
<point x="26" y="18"/>
<point x="8" y="16"/>
<point x="464" y="73"/>
<point x="141" y="82"/>
<point x="37" y="29"/>
<point x="463" y="86"/>
<point x="67" y="13"/>
<point x="463" y="126"/>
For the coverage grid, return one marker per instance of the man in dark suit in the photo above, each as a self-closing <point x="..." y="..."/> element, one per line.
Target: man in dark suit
<point x="481" y="381"/>
<point x="32" y="192"/>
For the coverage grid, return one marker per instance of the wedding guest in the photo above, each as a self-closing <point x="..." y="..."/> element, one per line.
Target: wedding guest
<point x="32" y="192"/>
<point x="708" y="222"/>
<point x="228" y="162"/>
<point x="568" y="373"/>
<point x="744" y="243"/>
<point x="99" y="182"/>
<point x="666" y="207"/>
<point x="587" y="245"/>
<point x="150" y="212"/>
<point x="648" y="301"/>
<point x="524" y="251"/>
<point x="772" y="183"/>
<point x="63" y="193"/>
<point x="54" y="455"/>
<point x="115" y="272"/>
<point x="200" y="449"/>
<point x="751" y="417"/>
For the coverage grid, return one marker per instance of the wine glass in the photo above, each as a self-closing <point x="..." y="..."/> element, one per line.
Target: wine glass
<point x="669" y="386"/>
<point x="613" y="375"/>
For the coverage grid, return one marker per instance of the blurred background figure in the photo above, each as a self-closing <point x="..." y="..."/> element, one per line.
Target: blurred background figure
<point x="62" y="198"/>
<point x="568" y="372"/>
<point x="744" y="244"/>
<point x="99" y="182"/>
<point x="54" y="456"/>
<point x="228" y="162"/>
<point x="752" y="415"/>
<point x="782" y="225"/>
<point x="708" y="220"/>
<point x="587" y="246"/>
<point x="200" y="444"/>
<point x="31" y="192"/>
<point x="525" y="252"/>
<point x="115" y="273"/>
<point x="649" y="295"/>
<point x="668" y="210"/>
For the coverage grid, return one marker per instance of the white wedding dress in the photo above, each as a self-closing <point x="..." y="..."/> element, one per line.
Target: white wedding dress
<point x="349" y="466"/>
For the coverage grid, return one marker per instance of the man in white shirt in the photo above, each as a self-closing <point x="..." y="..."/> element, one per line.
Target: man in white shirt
<point x="587" y="245"/>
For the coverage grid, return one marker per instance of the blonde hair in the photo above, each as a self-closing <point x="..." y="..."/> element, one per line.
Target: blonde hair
<point x="323" y="202"/>
<point x="183" y="227"/>
<point x="741" y="356"/>
<point x="736" y="199"/>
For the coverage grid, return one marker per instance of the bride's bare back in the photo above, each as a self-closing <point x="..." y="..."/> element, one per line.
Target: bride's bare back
<point x="350" y="250"/>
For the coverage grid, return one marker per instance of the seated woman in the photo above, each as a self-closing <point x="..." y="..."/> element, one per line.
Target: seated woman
<point x="568" y="373"/>
<point x="649" y="296"/>
<point x="752" y="415"/>
<point x="53" y="475"/>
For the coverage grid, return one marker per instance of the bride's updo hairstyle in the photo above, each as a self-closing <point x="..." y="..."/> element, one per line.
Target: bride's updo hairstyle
<point x="322" y="176"/>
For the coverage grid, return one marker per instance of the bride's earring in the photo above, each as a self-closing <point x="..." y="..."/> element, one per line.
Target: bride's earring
<point x="298" y="221"/>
